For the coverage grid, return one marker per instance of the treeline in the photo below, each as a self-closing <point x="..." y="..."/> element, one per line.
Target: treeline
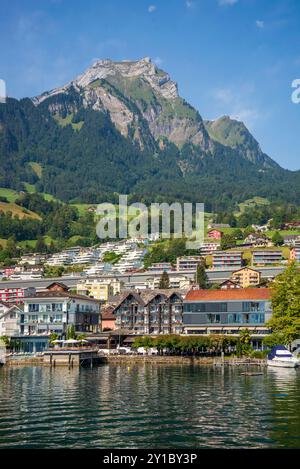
<point x="278" y="214"/>
<point x="195" y="345"/>
<point x="59" y="221"/>
<point x="167" y="251"/>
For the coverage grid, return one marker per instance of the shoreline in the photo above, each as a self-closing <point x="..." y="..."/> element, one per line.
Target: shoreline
<point x="147" y="359"/>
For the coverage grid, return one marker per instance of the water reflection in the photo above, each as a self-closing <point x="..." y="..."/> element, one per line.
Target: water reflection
<point x="151" y="406"/>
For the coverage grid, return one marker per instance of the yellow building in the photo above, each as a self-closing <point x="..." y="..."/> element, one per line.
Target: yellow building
<point x="246" y="277"/>
<point x="99" y="289"/>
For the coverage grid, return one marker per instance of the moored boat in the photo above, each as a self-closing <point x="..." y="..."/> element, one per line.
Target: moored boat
<point x="281" y="357"/>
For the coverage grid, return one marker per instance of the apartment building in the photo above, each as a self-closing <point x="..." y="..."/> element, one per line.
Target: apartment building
<point x="224" y="259"/>
<point x="15" y="295"/>
<point x="150" y="311"/>
<point x="160" y="266"/>
<point x="9" y="315"/>
<point x="246" y="277"/>
<point x="100" y="289"/>
<point x="175" y="282"/>
<point x="266" y="257"/>
<point x="209" y="247"/>
<point x="295" y="253"/>
<point x="227" y="311"/>
<point x="188" y="262"/>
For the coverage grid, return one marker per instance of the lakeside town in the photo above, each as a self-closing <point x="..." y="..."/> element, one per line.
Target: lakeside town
<point x="222" y="291"/>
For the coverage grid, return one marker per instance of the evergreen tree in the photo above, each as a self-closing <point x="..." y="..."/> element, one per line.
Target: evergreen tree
<point x="201" y="276"/>
<point x="164" y="281"/>
<point x="40" y="245"/>
<point x="277" y="239"/>
<point x="71" y="332"/>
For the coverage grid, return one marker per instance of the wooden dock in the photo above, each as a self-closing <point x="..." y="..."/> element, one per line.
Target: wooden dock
<point x="240" y="362"/>
<point x="71" y="358"/>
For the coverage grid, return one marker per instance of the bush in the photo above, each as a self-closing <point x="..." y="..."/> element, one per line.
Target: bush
<point x="259" y="354"/>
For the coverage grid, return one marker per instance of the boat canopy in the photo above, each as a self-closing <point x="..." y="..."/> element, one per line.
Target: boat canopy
<point x="279" y="351"/>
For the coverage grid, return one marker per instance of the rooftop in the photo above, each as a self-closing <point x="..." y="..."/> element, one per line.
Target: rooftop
<point x="243" y="294"/>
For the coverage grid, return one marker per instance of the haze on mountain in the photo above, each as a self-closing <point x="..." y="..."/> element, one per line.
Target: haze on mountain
<point x="122" y="127"/>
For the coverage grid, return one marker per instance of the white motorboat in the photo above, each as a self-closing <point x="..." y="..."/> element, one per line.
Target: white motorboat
<point x="281" y="357"/>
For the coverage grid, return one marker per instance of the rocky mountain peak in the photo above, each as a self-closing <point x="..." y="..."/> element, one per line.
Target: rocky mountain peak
<point x="105" y="69"/>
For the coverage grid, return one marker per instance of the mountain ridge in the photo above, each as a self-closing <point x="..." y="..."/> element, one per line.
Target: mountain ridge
<point x="122" y="127"/>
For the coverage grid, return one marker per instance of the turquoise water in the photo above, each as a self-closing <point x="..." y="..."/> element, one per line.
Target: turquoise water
<point x="148" y="406"/>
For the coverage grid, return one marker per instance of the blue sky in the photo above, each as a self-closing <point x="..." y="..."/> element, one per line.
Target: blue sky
<point x="234" y="57"/>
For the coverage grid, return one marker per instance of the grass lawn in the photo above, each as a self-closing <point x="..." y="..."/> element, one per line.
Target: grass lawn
<point x="29" y="242"/>
<point x="17" y="210"/>
<point x="82" y="208"/>
<point x="10" y="194"/>
<point x="29" y="187"/>
<point x="250" y="203"/>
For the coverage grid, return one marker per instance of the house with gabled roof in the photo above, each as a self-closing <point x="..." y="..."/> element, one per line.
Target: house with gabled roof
<point x="150" y="311"/>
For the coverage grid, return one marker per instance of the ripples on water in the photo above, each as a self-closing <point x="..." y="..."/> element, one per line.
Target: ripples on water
<point x="151" y="406"/>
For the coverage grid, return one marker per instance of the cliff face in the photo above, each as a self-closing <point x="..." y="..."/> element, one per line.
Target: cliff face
<point x="134" y="94"/>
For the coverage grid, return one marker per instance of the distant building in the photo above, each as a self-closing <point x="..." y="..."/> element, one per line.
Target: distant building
<point x="175" y="282"/>
<point x="31" y="259"/>
<point x="224" y="259"/>
<point x="53" y="311"/>
<point x="256" y="239"/>
<point x="188" y="262"/>
<point x="266" y="257"/>
<point x="214" y="234"/>
<point x="292" y="225"/>
<point x="218" y="225"/>
<point x="246" y="277"/>
<point x="228" y="285"/>
<point x="108" y="319"/>
<point x="209" y="247"/>
<point x="228" y="312"/>
<point x="291" y="240"/>
<point x="157" y="266"/>
<point x="295" y="253"/>
<point x="100" y="289"/>
<point x="15" y="295"/>
<point x="57" y="286"/>
<point x="261" y="228"/>
<point x="9" y="319"/>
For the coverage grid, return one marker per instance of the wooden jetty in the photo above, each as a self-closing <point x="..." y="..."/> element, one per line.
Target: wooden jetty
<point x="72" y="357"/>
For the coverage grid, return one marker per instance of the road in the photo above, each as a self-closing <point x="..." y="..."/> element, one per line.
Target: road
<point x="215" y="276"/>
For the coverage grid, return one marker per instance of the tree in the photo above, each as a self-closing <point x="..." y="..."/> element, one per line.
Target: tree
<point x="5" y="340"/>
<point x="53" y="337"/>
<point x="228" y="241"/>
<point x="244" y="343"/>
<point x="71" y="332"/>
<point x="164" y="282"/>
<point x="11" y="248"/>
<point x="286" y="304"/>
<point x="40" y="245"/>
<point x="277" y="239"/>
<point x="238" y="234"/>
<point x="201" y="276"/>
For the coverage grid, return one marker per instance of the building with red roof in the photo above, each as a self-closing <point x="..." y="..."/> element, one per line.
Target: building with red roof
<point x="227" y="311"/>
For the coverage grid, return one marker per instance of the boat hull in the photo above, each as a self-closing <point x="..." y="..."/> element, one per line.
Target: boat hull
<point x="282" y="364"/>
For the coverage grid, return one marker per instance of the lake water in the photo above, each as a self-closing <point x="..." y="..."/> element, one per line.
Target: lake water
<point x="148" y="406"/>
